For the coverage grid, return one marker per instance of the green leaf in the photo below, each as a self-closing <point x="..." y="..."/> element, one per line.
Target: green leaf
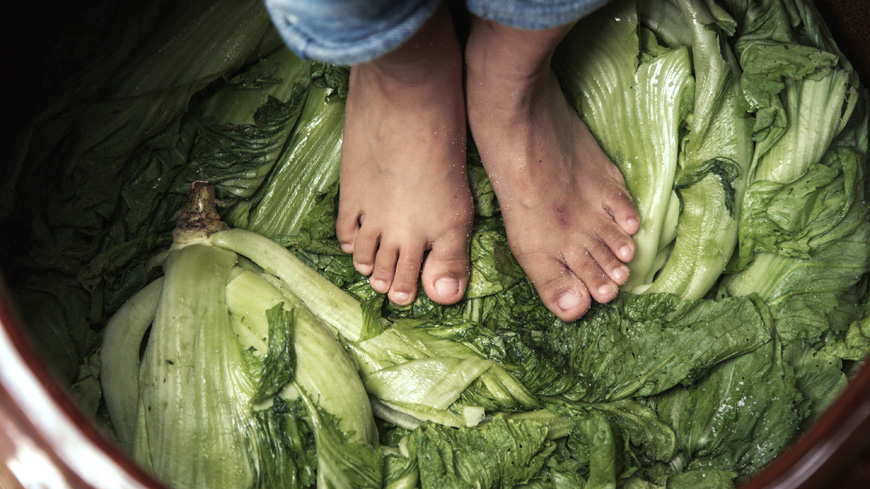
<point x="282" y="446"/>
<point x="702" y="479"/>
<point x="819" y="377"/>
<point x="653" y="439"/>
<point x="344" y="460"/>
<point x="738" y="418"/>
<point x="500" y="453"/>
<point x="280" y="362"/>
<point x="643" y="345"/>
<point x="307" y="167"/>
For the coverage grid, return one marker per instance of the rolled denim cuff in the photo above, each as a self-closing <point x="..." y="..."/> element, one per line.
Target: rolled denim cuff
<point x="347" y="32"/>
<point x="533" y="14"/>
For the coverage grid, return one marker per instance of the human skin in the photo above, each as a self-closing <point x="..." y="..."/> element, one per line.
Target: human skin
<point x="568" y="215"/>
<point x="404" y="200"/>
<point x="405" y="209"/>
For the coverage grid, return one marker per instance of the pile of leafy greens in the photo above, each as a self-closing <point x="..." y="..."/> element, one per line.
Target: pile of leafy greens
<point x="742" y="133"/>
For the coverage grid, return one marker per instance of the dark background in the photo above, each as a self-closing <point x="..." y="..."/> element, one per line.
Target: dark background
<point x="849" y="21"/>
<point x="29" y="28"/>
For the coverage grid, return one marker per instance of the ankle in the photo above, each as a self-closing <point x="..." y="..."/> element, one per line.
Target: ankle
<point x="520" y="56"/>
<point x="433" y="51"/>
<point x="406" y="85"/>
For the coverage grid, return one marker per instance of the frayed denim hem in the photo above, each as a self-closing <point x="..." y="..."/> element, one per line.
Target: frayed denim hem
<point x="346" y="32"/>
<point x="317" y="30"/>
<point x="533" y="14"/>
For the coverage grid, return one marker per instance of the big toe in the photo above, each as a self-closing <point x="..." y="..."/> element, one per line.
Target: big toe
<point x="445" y="271"/>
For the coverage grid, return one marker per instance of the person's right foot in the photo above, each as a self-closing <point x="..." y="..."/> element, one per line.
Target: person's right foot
<point x="403" y="188"/>
<point x="567" y="212"/>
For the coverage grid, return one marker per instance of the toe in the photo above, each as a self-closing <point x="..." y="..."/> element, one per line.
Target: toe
<point x="347" y="225"/>
<point x="404" y="287"/>
<point x="620" y="245"/>
<point x="384" y="268"/>
<point x="559" y="289"/>
<point x="570" y="305"/>
<point x="365" y="248"/>
<point x="610" y="265"/>
<point x="445" y="272"/>
<point x="624" y="213"/>
<point x="584" y="264"/>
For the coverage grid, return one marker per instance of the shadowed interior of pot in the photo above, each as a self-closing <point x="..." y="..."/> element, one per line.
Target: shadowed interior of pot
<point x="749" y="322"/>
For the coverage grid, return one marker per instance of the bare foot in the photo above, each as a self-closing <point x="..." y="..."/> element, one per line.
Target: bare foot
<point x="403" y="187"/>
<point x="568" y="215"/>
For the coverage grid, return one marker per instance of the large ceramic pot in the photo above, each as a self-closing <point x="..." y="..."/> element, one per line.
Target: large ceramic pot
<point x="46" y="443"/>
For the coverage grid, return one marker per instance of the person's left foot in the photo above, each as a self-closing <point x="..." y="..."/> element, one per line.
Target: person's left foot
<point x="568" y="215"/>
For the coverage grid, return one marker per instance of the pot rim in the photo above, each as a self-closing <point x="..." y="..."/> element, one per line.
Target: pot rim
<point x="44" y="411"/>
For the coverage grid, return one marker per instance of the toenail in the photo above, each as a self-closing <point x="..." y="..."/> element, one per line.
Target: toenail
<point x="625" y="251"/>
<point x="400" y="297"/>
<point x="619" y="274"/>
<point x="447" y="286"/>
<point x="605" y="290"/>
<point x="363" y="268"/>
<point x="380" y="285"/>
<point x="569" y="300"/>
<point x="347" y="247"/>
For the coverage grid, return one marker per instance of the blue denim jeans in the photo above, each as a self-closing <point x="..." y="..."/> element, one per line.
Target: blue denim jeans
<point x="353" y="31"/>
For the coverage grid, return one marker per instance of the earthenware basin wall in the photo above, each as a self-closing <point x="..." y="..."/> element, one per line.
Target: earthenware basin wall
<point x="45" y="442"/>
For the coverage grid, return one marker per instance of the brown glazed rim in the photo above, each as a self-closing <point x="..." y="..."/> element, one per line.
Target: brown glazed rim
<point x="822" y="452"/>
<point x="125" y="474"/>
